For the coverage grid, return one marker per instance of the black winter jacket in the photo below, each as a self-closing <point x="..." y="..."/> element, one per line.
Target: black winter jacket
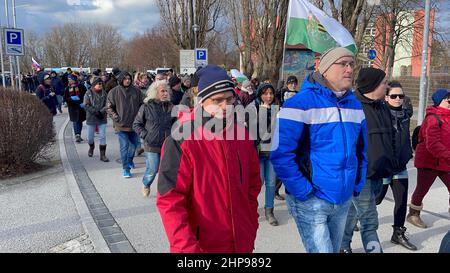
<point x="43" y="93"/>
<point x="402" y="139"/>
<point x="380" y="135"/>
<point x="153" y="124"/>
<point x="76" y="113"/>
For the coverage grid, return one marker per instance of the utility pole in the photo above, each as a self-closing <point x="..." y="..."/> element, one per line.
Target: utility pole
<point x="19" y="81"/>
<point x="423" y="77"/>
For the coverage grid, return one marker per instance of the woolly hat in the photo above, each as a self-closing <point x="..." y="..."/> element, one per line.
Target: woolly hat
<point x="46" y="76"/>
<point x="331" y="56"/>
<point x="173" y="81"/>
<point x="95" y="80"/>
<point x="213" y="80"/>
<point x="439" y="95"/>
<point x="116" y="71"/>
<point x="369" y="79"/>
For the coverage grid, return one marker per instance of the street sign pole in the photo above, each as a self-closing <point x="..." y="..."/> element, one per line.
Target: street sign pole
<point x="2" y="64"/>
<point x="11" y="72"/>
<point x="19" y="80"/>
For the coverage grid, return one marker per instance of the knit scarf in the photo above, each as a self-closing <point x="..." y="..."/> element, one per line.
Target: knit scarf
<point x="74" y="91"/>
<point x="398" y="115"/>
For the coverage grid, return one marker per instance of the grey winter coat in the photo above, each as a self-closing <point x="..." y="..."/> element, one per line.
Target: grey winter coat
<point x="95" y="106"/>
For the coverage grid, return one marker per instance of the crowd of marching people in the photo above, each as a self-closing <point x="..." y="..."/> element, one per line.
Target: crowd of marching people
<point x="336" y="148"/>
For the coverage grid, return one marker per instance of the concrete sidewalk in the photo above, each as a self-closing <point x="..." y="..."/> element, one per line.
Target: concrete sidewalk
<point x="38" y="213"/>
<point x="139" y="219"/>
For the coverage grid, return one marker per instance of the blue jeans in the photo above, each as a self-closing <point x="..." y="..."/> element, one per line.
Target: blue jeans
<point x="101" y="136"/>
<point x="77" y="127"/>
<point x="128" y="142"/>
<point x="320" y="223"/>
<point x="152" y="166"/>
<point x="60" y="100"/>
<point x="364" y="209"/>
<point x="268" y="177"/>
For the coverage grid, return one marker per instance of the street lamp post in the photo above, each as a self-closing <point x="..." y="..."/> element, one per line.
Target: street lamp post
<point x="196" y="28"/>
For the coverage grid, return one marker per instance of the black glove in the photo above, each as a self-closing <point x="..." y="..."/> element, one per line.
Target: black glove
<point x="99" y="115"/>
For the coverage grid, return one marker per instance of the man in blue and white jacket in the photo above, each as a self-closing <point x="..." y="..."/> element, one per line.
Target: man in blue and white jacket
<point x="320" y="151"/>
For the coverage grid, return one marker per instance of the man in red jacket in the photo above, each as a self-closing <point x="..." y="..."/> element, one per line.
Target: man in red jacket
<point x="432" y="153"/>
<point x="209" y="180"/>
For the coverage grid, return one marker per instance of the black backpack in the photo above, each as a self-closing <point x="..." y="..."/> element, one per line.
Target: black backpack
<point x="415" y="135"/>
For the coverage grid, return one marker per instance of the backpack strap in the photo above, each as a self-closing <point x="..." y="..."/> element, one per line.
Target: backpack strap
<point x="438" y="119"/>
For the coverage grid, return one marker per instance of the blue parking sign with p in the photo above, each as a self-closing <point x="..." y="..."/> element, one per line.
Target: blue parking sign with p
<point x="14" y="37"/>
<point x="14" y="41"/>
<point x="201" y="54"/>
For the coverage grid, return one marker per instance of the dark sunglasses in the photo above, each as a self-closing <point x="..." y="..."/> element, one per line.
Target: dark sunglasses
<point x="393" y="97"/>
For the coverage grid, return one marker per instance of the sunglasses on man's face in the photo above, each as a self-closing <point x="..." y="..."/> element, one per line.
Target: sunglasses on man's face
<point x="393" y="97"/>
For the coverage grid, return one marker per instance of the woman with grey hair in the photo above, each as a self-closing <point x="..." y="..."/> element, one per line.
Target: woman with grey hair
<point x="153" y="124"/>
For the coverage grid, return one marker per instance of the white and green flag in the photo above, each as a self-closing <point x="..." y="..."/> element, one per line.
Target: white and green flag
<point x="310" y="26"/>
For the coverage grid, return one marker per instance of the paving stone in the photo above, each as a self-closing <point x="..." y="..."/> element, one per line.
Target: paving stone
<point x="112" y="239"/>
<point x="123" y="247"/>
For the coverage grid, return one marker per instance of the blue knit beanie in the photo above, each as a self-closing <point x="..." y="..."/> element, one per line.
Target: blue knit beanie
<point x="213" y="80"/>
<point x="439" y="95"/>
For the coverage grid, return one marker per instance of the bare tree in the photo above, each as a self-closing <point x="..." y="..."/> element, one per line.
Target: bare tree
<point x="258" y="28"/>
<point x="150" y="50"/>
<point x="94" y="45"/>
<point x="270" y="29"/>
<point x="396" y="20"/>
<point x="239" y="15"/>
<point x="178" y="19"/>
<point x="106" y="44"/>
<point x="221" y="52"/>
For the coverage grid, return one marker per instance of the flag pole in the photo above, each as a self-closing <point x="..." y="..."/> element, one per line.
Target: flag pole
<point x="284" y="44"/>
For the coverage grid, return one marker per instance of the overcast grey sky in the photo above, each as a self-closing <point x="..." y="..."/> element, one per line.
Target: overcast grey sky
<point x="130" y="16"/>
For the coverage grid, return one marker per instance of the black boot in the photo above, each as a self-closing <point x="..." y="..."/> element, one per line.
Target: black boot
<point x="91" y="150"/>
<point x="399" y="238"/>
<point x="103" y="153"/>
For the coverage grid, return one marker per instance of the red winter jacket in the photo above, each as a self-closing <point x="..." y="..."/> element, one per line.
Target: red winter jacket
<point x="207" y="192"/>
<point x="433" y="148"/>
